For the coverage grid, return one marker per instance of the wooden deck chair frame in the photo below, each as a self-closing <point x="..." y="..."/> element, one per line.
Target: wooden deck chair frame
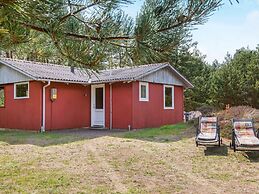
<point x="216" y="142"/>
<point x="234" y="137"/>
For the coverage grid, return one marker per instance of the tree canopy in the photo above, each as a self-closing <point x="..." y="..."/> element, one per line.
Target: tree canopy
<point x="234" y="82"/>
<point x="96" y="32"/>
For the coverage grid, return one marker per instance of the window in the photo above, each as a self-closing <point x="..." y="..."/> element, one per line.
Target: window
<point x="99" y="98"/>
<point x="21" y="90"/>
<point x="2" y="97"/>
<point x="168" y="97"/>
<point x="143" y="91"/>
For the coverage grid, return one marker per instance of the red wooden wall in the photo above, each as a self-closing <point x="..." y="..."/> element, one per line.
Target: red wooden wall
<point x="152" y="113"/>
<point x="71" y="109"/>
<point x="128" y="110"/>
<point x="121" y="105"/>
<point x="22" y="113"/>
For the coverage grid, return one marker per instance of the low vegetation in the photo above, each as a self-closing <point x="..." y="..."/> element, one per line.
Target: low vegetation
<point x="23" y="137"/>
<point x="125" y="162"/>
<point x="225" y="117"/>
<point x="157" y="132"/>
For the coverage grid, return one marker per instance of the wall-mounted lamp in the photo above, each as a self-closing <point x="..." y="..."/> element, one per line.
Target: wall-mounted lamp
<point x="54" y="94"/>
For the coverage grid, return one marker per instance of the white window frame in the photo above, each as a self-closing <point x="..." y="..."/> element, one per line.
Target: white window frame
<point x="169" y="86"/>
<point x="147" y="91"/>
<point x="4" y="96"/>
<point x="21" y="83"/>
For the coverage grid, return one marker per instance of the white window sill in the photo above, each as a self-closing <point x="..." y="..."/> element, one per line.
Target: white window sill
<point x="169" y="108"/>
<point x="143" y="100"/>
<point x="20" y="98"/>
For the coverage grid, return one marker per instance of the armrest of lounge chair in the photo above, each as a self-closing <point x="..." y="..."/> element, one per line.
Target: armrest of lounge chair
<point x="218" y="130"/>
<point x="234" y="133"/>
<point x="197" y="131"/>
<point x="257" y="133"/>
<point x="233" y="136"/>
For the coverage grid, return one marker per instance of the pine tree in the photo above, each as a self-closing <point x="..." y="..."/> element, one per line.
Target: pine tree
<point x="236" y="81"/>
<point x="94" y="32"/>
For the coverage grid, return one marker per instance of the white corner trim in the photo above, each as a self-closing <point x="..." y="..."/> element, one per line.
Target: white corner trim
<point x="169" y="86"/>
<point x="146" y="84"/>
<point x="21" y="83"/>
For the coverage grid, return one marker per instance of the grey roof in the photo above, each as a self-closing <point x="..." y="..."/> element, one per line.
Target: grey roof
<point x="60" y="73"/>
<point x="46" y="71"/>
<point x="129" y="73"/>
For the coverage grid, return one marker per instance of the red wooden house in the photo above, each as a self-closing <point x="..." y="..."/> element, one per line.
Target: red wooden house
<point x="40" y="96"/>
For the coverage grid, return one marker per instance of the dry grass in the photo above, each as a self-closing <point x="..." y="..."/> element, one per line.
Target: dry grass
<point x="115" y="164"/>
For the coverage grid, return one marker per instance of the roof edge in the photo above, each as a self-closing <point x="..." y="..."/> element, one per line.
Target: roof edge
<point x="17" y="69"/>
<point x="152" y="71"/>
<point x="187" y="83"/>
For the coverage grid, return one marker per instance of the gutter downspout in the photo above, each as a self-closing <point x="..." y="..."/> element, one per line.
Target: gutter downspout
<point x="43" y="126"/>
<point x="110" y="106"/>
<point x="133" y="107"/>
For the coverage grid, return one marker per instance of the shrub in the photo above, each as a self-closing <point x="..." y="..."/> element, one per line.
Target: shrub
<point x="206" y="110"/>
<point x="240" y="112"/>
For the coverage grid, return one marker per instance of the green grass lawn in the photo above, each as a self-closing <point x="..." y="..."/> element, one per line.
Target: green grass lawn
<point x="52" y="138"/>
<point x="156" y="132"/>
<point x="129" y="162"/>
<point x="42" y="139"/>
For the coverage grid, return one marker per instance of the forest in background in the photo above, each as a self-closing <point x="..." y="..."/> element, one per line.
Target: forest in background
<point x="233" y="82"/>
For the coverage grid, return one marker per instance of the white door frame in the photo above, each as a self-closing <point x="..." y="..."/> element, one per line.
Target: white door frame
<point x="93" y="87"/>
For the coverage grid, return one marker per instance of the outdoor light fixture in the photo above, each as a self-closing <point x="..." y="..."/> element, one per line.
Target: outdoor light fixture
<point x="54" y="94"/>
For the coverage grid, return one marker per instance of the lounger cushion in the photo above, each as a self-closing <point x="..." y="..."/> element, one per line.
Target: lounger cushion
<point x="243" y="125"/>
<point x="208" y="131"/>
<point x="248" y="141"/>
<point x="245" y="133"/>
<point x="208" y="128"/>
<point x="207" y="136"/>
<point x="244" y="128"/>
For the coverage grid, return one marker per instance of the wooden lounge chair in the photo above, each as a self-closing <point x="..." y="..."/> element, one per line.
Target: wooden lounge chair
<point x="244" y="135"/>
<point x="208" y="132"/>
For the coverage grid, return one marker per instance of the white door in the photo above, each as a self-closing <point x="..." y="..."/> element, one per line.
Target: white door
<point x="98" y="105"/>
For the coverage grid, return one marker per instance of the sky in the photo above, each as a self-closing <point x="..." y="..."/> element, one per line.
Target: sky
<point x="230" y="28"/>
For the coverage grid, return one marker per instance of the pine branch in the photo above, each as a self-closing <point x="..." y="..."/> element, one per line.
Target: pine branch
<point x="77" y="11"/>
<point x="81" y="29"/>
<point x="78" y="36"/>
